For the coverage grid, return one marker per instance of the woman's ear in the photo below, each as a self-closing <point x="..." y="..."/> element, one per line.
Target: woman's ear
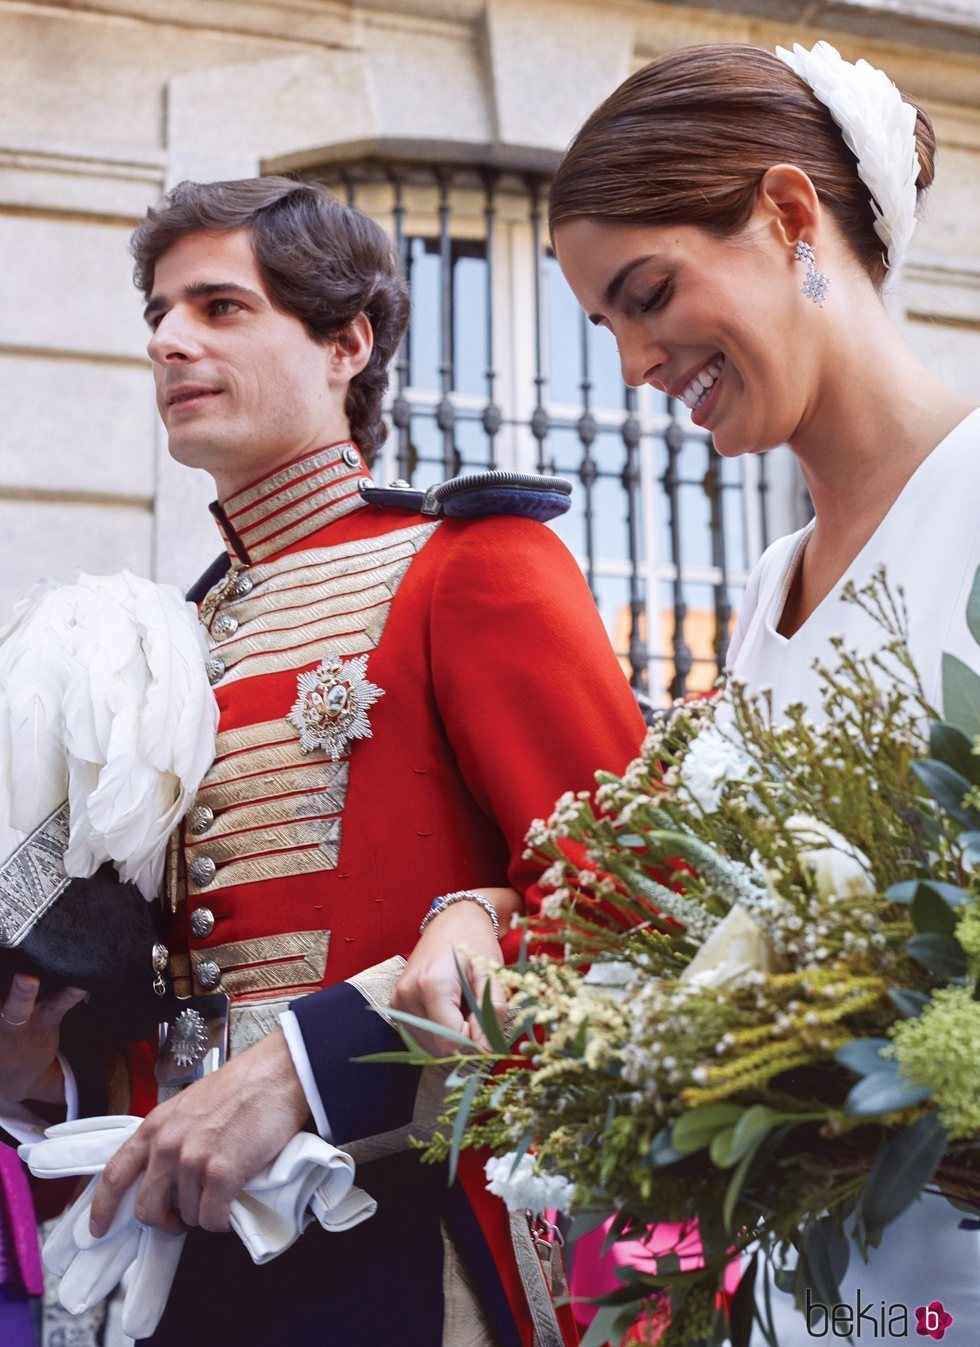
<point x="787" y="201"/>
<point x="352" y="349"/>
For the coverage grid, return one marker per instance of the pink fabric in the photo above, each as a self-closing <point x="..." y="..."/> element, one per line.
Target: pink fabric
<point x="594" y="1273"/>
<point x="18" y="1225"/>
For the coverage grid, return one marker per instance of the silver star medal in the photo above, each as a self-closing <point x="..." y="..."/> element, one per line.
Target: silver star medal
<point x="332" y="705"/>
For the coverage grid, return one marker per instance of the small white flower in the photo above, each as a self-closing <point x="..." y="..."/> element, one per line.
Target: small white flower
<point x="710" y="762"/>
<point x="524" y="1187"/>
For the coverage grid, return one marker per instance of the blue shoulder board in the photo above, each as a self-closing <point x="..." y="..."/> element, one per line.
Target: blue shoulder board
<point x="528" y="494"/>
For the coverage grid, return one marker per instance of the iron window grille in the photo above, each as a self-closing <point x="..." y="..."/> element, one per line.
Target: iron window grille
<point x="500" y="369"/>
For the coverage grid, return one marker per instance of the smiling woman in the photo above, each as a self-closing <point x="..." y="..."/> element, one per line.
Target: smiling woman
<point x="731" y="216"/>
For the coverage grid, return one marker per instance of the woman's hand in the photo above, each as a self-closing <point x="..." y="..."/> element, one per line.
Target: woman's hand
<point x="430" y="985"/>
<point x="29" y="1033"/>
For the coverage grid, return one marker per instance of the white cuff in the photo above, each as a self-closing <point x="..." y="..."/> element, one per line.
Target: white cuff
<point x="301" y="1062"/>
<point x="71" y="1089"/>
<point x="26" y="1126"/>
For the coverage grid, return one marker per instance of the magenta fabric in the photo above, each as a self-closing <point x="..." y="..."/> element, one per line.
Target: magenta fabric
<point x="19" y="1225"/>
<point x="594" y="1273"/>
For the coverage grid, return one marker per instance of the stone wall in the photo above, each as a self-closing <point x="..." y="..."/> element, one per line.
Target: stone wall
<point x="105" y="103"/>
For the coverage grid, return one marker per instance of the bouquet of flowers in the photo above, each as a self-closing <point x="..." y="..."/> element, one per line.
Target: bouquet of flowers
<point x="763" y="1023"/>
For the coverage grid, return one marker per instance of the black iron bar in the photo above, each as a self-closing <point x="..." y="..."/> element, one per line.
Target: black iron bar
<point x="682" y="653"/>
<point x="639" y="656"/>
<point x="714" y="489"/>
<point x="401" y="408"/>
<point x="540" y="421"/>
<point x="492" y="416"/>
<point x="446" y="412"/>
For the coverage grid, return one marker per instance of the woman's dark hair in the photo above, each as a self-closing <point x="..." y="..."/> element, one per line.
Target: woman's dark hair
<point x="687" y="140"/>
<point x="321" y="261"/>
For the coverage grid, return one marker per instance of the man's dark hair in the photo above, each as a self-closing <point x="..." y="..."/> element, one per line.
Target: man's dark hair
<point x="321" y="261"/>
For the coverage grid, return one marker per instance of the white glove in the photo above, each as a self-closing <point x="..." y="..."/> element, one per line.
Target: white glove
<point x="310" y="1178"/>
<point x="90" y="1268"/>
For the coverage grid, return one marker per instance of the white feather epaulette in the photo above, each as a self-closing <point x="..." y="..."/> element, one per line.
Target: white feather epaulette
<point x="105" y="702"/>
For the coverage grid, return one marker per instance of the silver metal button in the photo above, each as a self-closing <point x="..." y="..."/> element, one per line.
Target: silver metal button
<point x="202" y="871"/>
<point x="202" y="922"/>
<point x="216" y="668"/>
<point x="242" y="586"/>
<point x="351" y="457"/>
<point x="224" y="625"/>
<point x="207" y="974"/>
<point x="199" y="819"/>
<point x="399" y="484"/>
<point x="159" y="958"/>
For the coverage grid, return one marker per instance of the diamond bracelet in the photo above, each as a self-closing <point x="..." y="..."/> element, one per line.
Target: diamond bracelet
<point x="463" y="896"/>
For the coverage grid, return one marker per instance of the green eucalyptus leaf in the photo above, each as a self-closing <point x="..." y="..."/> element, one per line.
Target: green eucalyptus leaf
<point x="947" y="788"/>
<point x="720" y="1148"/>
<point x="909" y="1004"/>
<point x="584" y="1222"/>
<point x="930" y="912"/>
<point x="413" y="1056"/>
<point x="461" y="1119"/>
<point x="662" y="1152"/>
<point x="961" y="695"/>
<point x="491" y="1025"/>
<point x="903" y="1167"/>
<point x="430" y="1026"/>
<point x="764" y="1142"/>
<point x="973" y="608"/>
<point x="863" y="1055"/>
<point x="694" y="1130"/>
<point x="743" y="1305"/>
<point x="939" y="954"/>
<point x="903" y="892"/>
<point x="755" y="1123"/>
<point x="950" y="745"/>
<point x="610" y="1323"/>
<point x="970" y="841"/>
<point x="883" y="1092"/>
<point x="826" y="1253"/>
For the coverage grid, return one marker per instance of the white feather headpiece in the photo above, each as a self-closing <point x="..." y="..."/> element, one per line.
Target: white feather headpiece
<point x="878" y="127"/>
<point x="105" y="702"/>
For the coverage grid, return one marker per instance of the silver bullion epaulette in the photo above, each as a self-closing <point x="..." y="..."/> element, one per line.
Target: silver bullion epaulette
<point x="531" y="495"/>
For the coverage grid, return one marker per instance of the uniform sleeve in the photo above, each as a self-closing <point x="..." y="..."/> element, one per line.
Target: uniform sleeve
<point x="532" y="697"/>
<point x="533" y="702"/>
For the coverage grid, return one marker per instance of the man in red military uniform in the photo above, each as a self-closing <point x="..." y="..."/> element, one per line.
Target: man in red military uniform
<point x="399" y="696"/>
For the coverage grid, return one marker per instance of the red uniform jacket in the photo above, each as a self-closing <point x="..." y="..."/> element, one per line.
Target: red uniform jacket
<point x="297" y="871"/>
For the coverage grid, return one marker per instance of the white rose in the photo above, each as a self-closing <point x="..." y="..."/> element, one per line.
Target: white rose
<point x="711" y="760"/>
<point x="524" y="1188"/>
<point x="837" y="868"/>
<point x="734" y="948"/>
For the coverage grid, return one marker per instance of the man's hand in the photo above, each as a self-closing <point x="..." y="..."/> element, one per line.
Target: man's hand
<point x="430" y="985"/>
<point x="29" y="1034"/>
<point x="197" y="1151"/>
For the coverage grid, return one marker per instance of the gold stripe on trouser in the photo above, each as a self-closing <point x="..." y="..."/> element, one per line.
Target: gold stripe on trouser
<point x="463" y="1323"/>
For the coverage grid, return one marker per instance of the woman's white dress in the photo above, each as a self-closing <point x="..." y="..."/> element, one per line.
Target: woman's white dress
<point x="929" y="543"/>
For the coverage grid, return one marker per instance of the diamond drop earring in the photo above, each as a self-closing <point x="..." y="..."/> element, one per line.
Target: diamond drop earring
<point x="815" y="283"/>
